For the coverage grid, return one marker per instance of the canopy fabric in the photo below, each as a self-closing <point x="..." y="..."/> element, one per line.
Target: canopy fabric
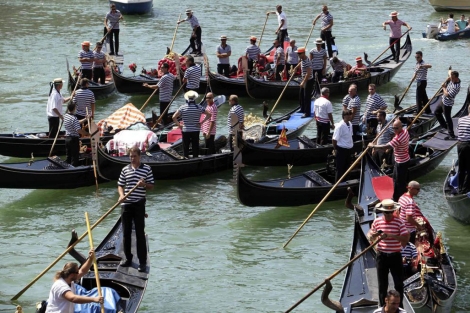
<point x="122" y="118"/>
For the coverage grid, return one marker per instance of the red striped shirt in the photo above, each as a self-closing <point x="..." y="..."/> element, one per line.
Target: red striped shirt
<point x="395" y="227"/>
<point x="212" y="109"/>
<point x="408" y="207"/>
<point x="400" y="146"/>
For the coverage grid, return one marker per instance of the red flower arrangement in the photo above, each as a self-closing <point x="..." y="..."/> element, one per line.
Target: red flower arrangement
<point x="133" y="67"/>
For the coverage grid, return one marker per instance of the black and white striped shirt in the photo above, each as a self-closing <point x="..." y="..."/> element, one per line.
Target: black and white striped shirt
<point x="304" y="66"/>
<point x="83" y="99"/>
<point x="339" y="66"/>
<point x="72" y="125"/>
<point x="193" y="21"/>
<point x="292" y="56"/>
<point x="355" y="103"/>
<point x="252" y="52"/>
<point x="193" y="75"/>
<point x="463" y="131"/>
<point x="165" y="85"/>
<point x="191" y="115"/>
<point x="421" y="71"/>
<point x="318" y="58"/>
<point x="282" y="56"/>
<point x="238" y="110"/>
<point x="374" y="102"/>
<point x="452" y="89"/>
<point x="98" y="55"/>
<point x="326" y="19"/>
<point x="130" y="177"/>
<point x="86" y="54"/>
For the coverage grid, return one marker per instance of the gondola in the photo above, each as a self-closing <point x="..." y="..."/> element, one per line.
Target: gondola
<point x="100" y="91"/>
<point x="381" y="73"/>
<point x="132" y="6"/>
<point x="459" y="204"/>
<point x="227" y="85"/>
<point x="434" y="288"/>
<point x="127" y="282"/>
<point x="311" y="187"/>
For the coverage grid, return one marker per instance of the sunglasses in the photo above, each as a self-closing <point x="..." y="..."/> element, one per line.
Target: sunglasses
<point x="396" y="127"/>
<point x="416" y="188"/>
<point x="209" y="97"/>
<point x="388" y="212"/>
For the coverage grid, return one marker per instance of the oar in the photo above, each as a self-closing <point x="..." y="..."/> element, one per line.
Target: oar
<point x="309" y="35"/>
<point x="334" y="275"/>
<point x="174" y="35"/>
<point x="146" y="102"/>
<point x="109" y="31"/>
<point x="262" y="32"/>
<point x="372" y="63"/>
<point x="167" y="107"/>
<point x="280" y="96"/>
<point x="95" y="264"/>
<point x="93" y="150"/>
<point x="73" y="245"/>
<point x="396" y="105"/>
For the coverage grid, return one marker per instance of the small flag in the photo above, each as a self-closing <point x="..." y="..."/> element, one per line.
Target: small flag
<point x="282" y="141"/>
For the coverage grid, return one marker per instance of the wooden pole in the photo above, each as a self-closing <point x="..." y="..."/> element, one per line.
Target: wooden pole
<point x="72" y="245"/>
<point x="334" y="275"/>
<point x="309" y="35"/>
<point x="174" y="35"/>
<point x="406" y="90"/>
<point x="262" y="32"/>
<point x="93" y="150"/>
<point x="95" y="264"/>
<point x="372" y="63"/>
<point x="146" y="102"/>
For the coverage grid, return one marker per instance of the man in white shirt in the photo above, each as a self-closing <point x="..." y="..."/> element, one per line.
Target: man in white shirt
<point x="281" y="31"/>
<point x="343" y="143"/>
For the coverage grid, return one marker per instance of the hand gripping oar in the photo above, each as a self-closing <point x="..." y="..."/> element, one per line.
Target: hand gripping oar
<point x="334" y="275"/>
<point x="167" y="107"/>
<point x="174" y="35"/>
<point x="372" y="63"/>
<point x="262" y="32"/>
<point x="95" y="264"/>
<point x="72" y="245"/>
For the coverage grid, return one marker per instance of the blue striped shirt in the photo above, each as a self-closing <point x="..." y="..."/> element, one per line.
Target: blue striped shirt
<point x="355" y="103"/>
<point x="463" y="131"/>
<point x="421" y="72"/>
<point x="409" y="251"/>
<point x="98" y="55"/>
<point x="374" y="102"/>
<point x="252" y="52"/>
<point x="304" y="66"/>
<point x="326" y="20"/>
<point x="193" y="75"/>
<point x="222" y="50"/>
<point x="113" y="19"/>
<point x="165" y="86"/>
<point x="191" y="114"/>
<point x="86" y="54"/>
<point x="130" y="177"/>
<point x="281" y="54"/>
<point x="238" y="110"/>
<point x="452" y="89"/>
<point x="83" y="99"/>
<point x="72" y="125"/>
<point x="318" y="58"/>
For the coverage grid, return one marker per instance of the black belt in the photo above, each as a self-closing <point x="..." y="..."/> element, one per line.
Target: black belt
<point x="388" y="254"/>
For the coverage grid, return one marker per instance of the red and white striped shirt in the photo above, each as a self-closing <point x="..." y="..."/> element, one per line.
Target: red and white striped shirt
<point x="408" y="207"/>
<point x="395" y="227"/>
<point x="212" y="109"/>
<point x="400" y="145"/>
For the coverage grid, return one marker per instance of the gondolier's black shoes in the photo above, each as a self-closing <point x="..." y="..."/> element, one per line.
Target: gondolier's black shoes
<point x="142" y="267"/>
<point x="125" y="263"/>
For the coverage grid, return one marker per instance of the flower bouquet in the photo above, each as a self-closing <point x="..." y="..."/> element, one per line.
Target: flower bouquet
<point x="133" y="67"/>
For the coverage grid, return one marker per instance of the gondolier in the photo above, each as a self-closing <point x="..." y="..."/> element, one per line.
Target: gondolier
<point x="463" y="150"/>
<point x="279" y="59"/>
<point x="99" y="64"/>
<point x="343" y="144"/>
<point x="324" y="116"/>
<point x="410" y="211"/>
<point x="306" y="86"/>
<point x="195" y="39"/>
<point x="111" y="24"/>
<point x="382" y="156"/>
<point x="165" y="87"/>
<point x="421" y="76"/>
<point x="237" y="109"/>
<point x="395" y="33"/>
<point x="281" y="31"/>
<point x="133" y="207"/>
<point x="326" y="28"/>
<point x="400" y="145"/>
<point x="374" y="103"/>
<point x="318" y="58"/>
<point x="73" y="130"/>
<point x="224" y="51"/>
<point x="451" y="88"/>
<point x="392" y="303"/>
<point x="84" y="99"/>
<point x="292" y="58"/>
<point x="393" y="232"/>
<point x="252" y="53"/>
<point x="86" y="58"/>
<point x="354" y="105"/>
<point x="54" y="106"/>
<point x="192" y="75"/>
<point x="209" y="126"/>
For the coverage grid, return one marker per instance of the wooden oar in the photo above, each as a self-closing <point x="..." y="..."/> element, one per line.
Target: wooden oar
<point x="146" y="102"/>
<point x="167" y="107"/>
<point x="93" y="150"/>
<point x="405" y="92"/>
<point x="282" y="93"/>
<point x="262" y="32"/>
<point x="372" y="63"/>
<point x="309" y="35"/>
<point x="174" y="35"/>
<point x="95" y="264"/>
<point x="72" y="245"/>
<point x="334" y="275"/>
<point x="109" y="31"/>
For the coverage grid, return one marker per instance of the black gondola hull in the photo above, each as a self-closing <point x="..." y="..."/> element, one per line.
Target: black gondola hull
<point x="100" y="91"/>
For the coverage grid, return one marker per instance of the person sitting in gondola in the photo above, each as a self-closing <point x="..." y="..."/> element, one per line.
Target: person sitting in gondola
<point x="358" y="70"/>
<point x="392" y="303"/>
<point x="252" y="53"/>
<point x="339" y="67"/>
<point x="409" y="256"/>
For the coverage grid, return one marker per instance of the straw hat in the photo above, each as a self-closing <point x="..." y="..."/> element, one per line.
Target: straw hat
<point x="58" y="81"/>
<point x="300" y="50"/>
<point x="191" y="95"/>
<point x="394" y="13"/>
<point x="387" y="205"/>
<point x="319" y="41"/>
<point x="358" y="59"/>
<point x="86" y="43"/>
<point x="189" y="11"/>
<point x="223" y="37"/>
<point x="253" y="38"/>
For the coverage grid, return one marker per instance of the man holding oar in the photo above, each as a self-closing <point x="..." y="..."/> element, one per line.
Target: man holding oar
<point x="133" y="207"/>
<point x="165" y="85"/>
<point x="395" y="33"/>
<point x="326" y="28"/>
<point x="281" y="31"/>
<point x="111" y="24"/>
<point x="195" y="39"/>
<point x="450" y="89"/>
<point x="62" y="296"/>
<point x="306" y="86"/>
<point x="54" y="106"/>
<point x="421" y="76"/>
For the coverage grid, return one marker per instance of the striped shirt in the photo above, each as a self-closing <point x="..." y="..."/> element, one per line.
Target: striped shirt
<point x="374" y="102"/>
<point x="113" y="19"/>
<point x="191" y="114"/>
<point x="452" y="89"/>
<point x="86" y="65"/>
<point x="355" y="103"/>
<point x="193" y="75"/>
<point x="395" y="227"/>
<point x="387" y="135"/>
<point x="221" y="50"/>
<point x="72" y="125"/>
<point x="339" y="66"/>
<point x="281" y="54"/>
<point x="130" y="177"/>
<point x="54" y="101"/>
<point x="252" y="52"/>
<point x="408" y="207"/>
<point x="165" y="85"/>
<point x="421" y="71"/>
<point x="463" y="131"/>
<point x="212" y="109"/>
<point x="318" y="58"/>
<point x="292" y="56"/>
<point x="346" y="100"/>
<point x="304" y="66"/>
<point x="83" y="99"/>
<point x="98" y="55"/>
<point x="400" y="145"/>
<point x="238" y="110"/>
<point x="193" y="21"/>
<point x="409" y="251"/>
<point x="323" y="108"/>
<point x="326" y="19"/>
